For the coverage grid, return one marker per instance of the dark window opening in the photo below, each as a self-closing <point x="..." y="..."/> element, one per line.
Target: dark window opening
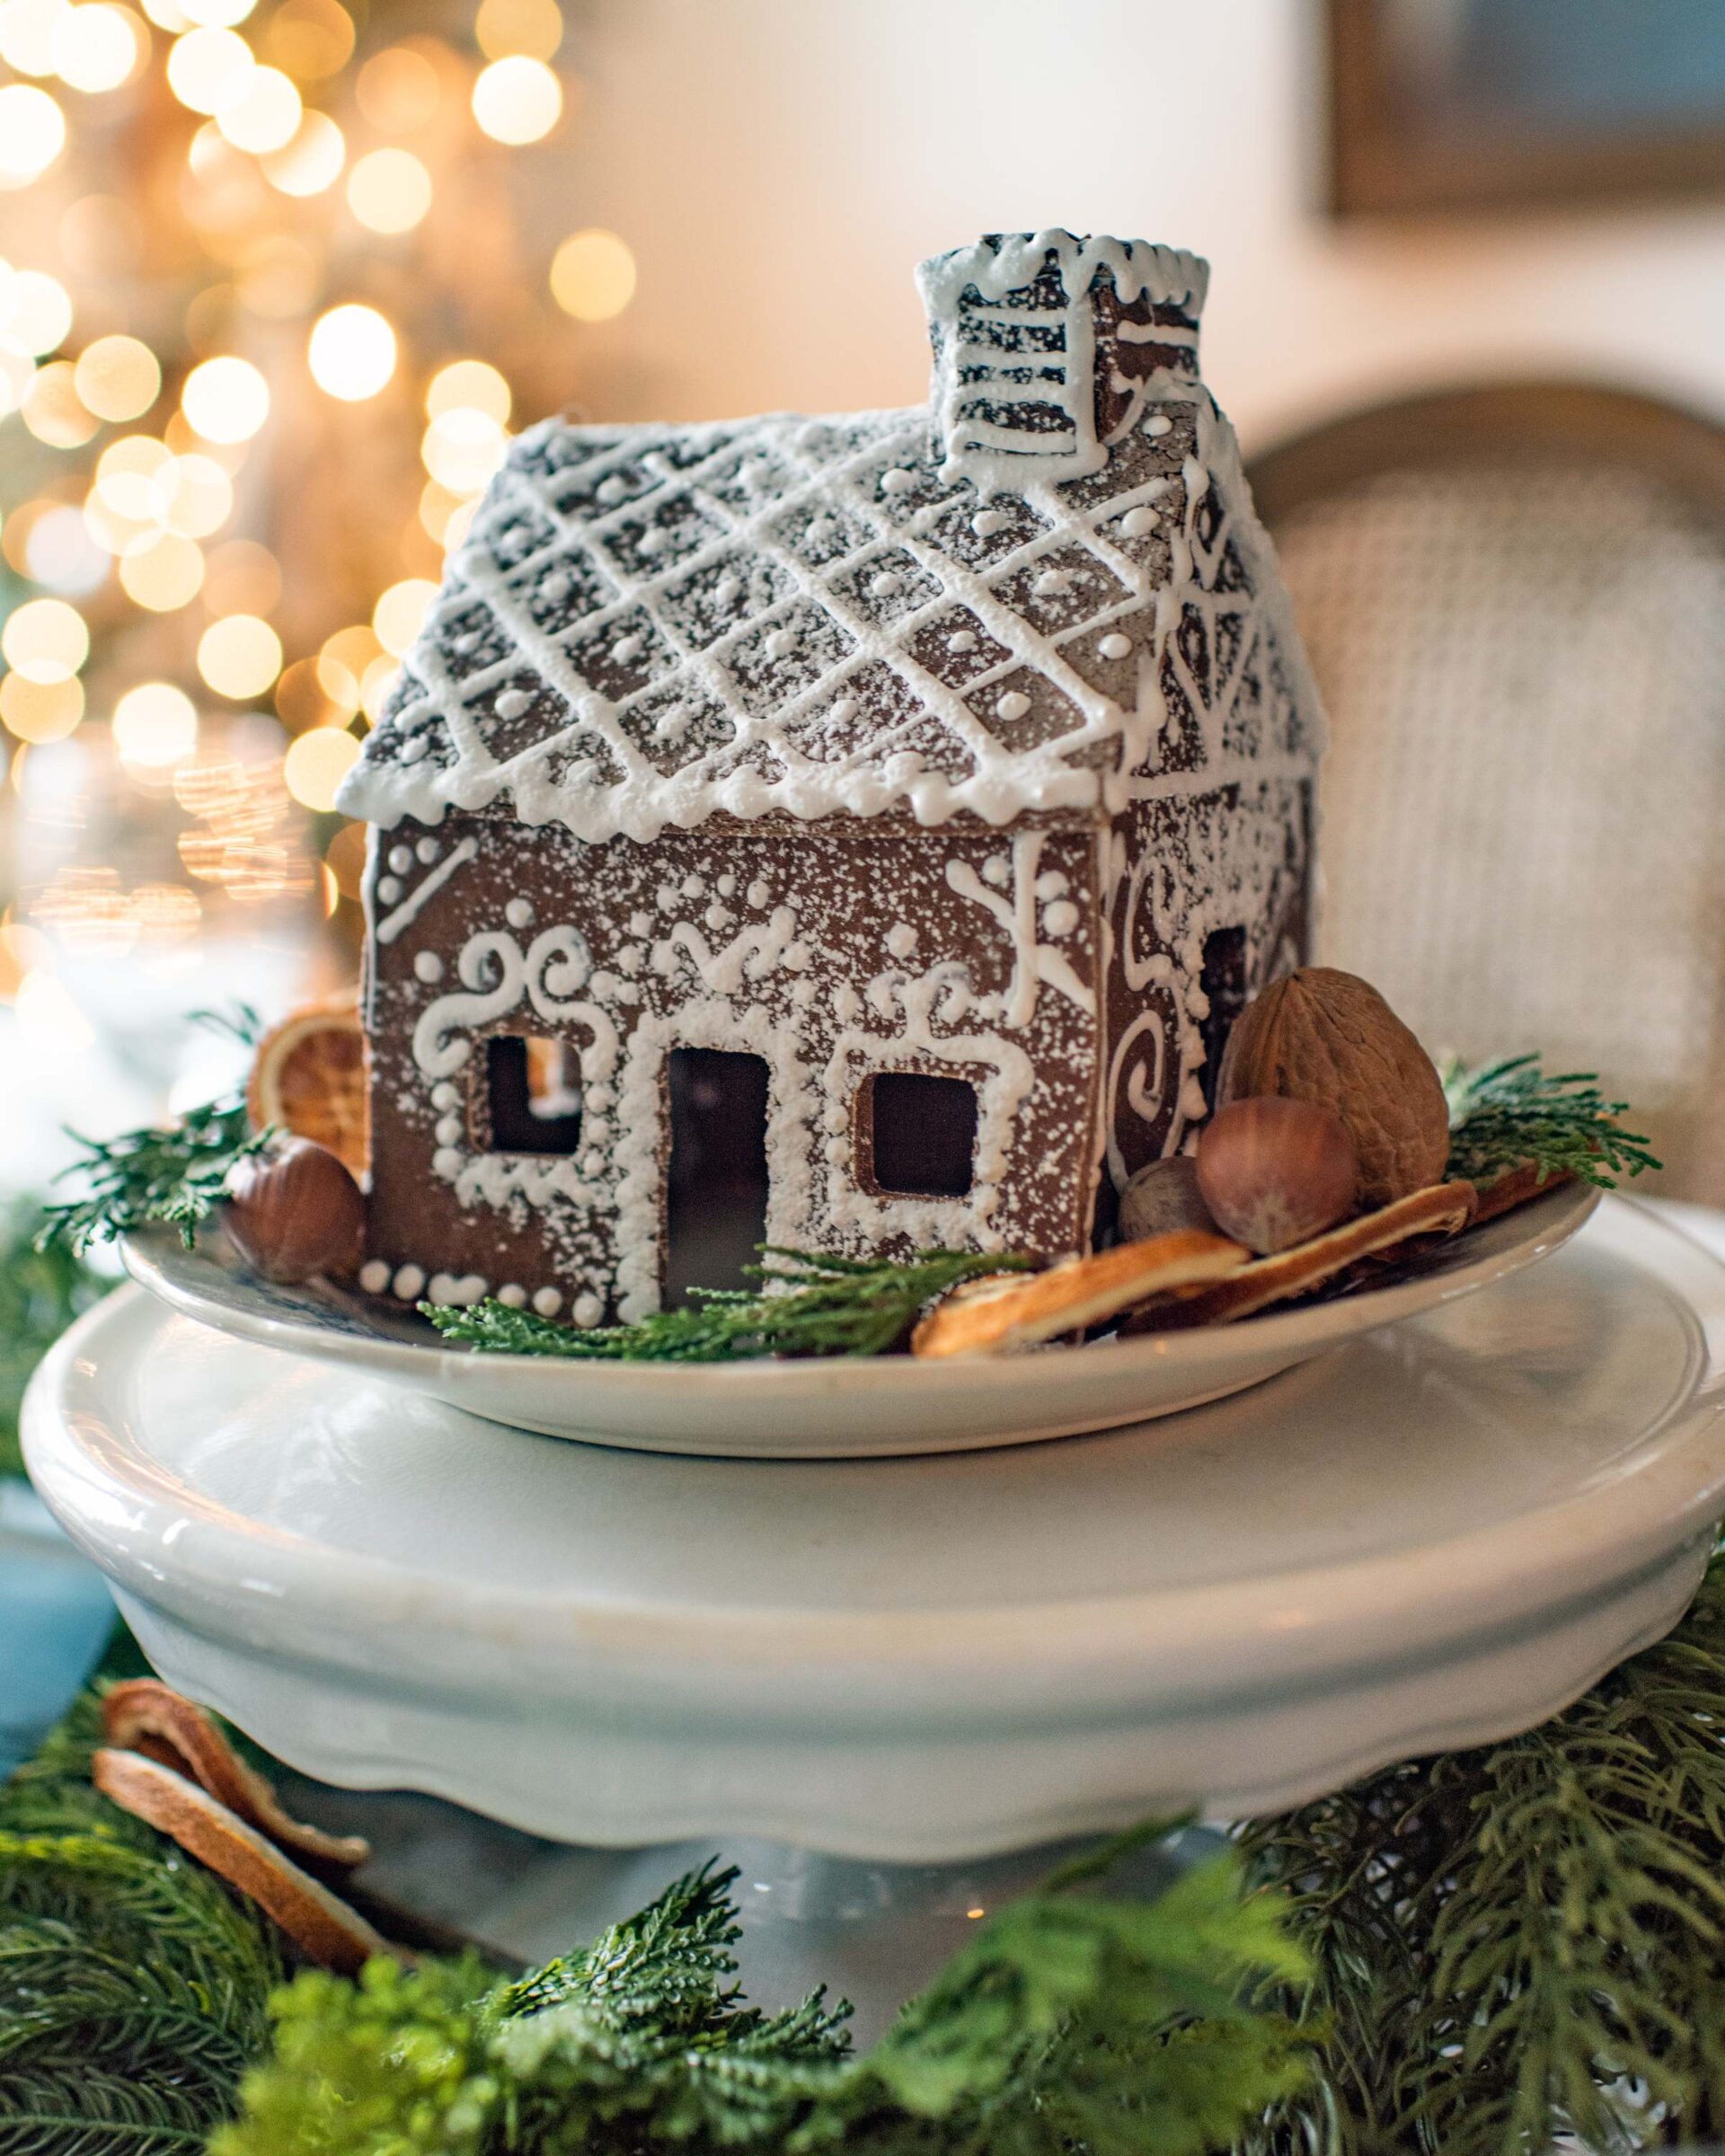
<point x="919" y="1134"/>
<point x="1224" y="983"/>
<point x="533" y="1103"/>
<point x="715" y="1196"/>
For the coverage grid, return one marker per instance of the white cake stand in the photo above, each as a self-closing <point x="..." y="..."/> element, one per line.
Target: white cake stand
<point x="1433" y="1535"/>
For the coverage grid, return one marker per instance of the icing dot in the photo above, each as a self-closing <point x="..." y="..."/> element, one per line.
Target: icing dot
<point x="640" y="924"/>
<point x="512" y="1293"/>
<point x="901" y="939"/>
<point x="897" y="481"/>
<point x="440" y="1288"/>
<point x="593" y="1164"/>
<point x="446" y="1161"/>
<point x="373" y="1277"/>
<point x="588" y="1310"/>
<point x="796" y="956"/>
<point x="604" y="984"/>
<point x="448" y="1131"/>
<point x="886" y="584"/>
<point x="782" y="643"/>
<point x="1158" y="423"/>
<point x="1053" y="582"/>
<point x="389" y="889"/>
<point x="627" y="647"/>
<point x="613" y="489"/>
<point x="1115" y="645"/>
<point x="653" y="540"/>
<point x="1051" y="884"/>
<point x="513" y="703"/>
<point x="547" y="1301"/>
<point x="1137" y="524"/>
<point x="726" y="887"/>
<point x="693" y="888"/>
<point x="997" y="869"/>
<point x="986" y="523"/>
<point x="410" y="1280"/>
<point x="470" y="1288"/>
<point x="518" y="913"/>
<point x="666" y="898"/>
<point x="555" y="586"/>
<point x="599" y="1097"/>
<point x="1013" y="705"/>
<point x="835" y="1115"/>
<point x="757" y="893"/>
<point x="468" y="640"/>
<point x="631" y="958"/>
<point x="962" y="639"/>
<point x="415" y="747"/>
<point x="400" y="858"/>
<point x="844" y="710"/>
<point x="672" y="725"/>
<point x="445" y="1096"/>
<point x="1060" y="918"/>
<point x="717" y="916"/>
<point x="728" y="590"/>
<point x="428" y="966"/>
<point x="428" y="851"/>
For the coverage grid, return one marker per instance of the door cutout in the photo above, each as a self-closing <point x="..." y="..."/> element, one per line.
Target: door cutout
<point x="919" y="1134"/>
<point x="532" y="1104"/>
<point x="715" y="1193"/>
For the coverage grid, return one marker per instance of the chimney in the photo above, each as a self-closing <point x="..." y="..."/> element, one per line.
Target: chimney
<point x="1044" y="346"/>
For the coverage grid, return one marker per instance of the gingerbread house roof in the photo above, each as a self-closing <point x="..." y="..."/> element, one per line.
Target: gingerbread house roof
<point x="942" y="609"/>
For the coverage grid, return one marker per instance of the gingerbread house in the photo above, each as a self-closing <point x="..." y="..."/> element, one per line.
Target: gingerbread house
<point x="856" y="832"/>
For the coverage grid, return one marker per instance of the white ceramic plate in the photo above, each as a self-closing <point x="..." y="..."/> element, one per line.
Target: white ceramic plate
<point x="1440" y="1532"/>
<point x="831" y="1408"/>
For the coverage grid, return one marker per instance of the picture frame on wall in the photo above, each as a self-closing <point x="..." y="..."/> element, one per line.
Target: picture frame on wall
<point x="1484" y="104"/>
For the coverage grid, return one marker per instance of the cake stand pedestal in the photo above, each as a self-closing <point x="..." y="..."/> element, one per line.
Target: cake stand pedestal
<point x="1434" y="1535"/>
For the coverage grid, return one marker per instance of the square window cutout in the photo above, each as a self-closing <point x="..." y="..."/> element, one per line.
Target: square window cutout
<point x="532" y="1097"/>
<point x="919" y="1134"/>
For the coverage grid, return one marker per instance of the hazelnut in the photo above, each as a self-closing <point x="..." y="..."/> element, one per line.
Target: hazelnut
<point x="1163" y="1195"/>
<point x="293" y="1210"/>
<point x="1275" y="1172"/>
<point x="1328" y="1037"/>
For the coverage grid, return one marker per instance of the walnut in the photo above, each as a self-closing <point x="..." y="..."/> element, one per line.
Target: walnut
<point x="1328" y="1037"/>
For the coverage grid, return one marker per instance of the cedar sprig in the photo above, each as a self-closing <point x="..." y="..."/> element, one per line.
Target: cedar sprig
<point x="1511" y="1113"/>
<point x="806" y="1304"/>
<point x="171" y="1175"/>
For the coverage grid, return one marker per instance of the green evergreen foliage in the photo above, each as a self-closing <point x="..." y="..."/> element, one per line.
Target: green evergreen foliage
<point x="1529" y="1939"/>
<point x="1505" y="1114"/>
<point x="804" y="1306"/>
<point x="171" y="1176"/>
<point x="41" y="1294"/>
<point x="1067" y="2025"/>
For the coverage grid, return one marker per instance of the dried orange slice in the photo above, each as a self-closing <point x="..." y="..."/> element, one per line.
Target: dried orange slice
<point x="309" y="1077"/>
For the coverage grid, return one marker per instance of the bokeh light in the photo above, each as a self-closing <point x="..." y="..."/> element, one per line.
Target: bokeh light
<point x="315" y="764"/>
<point x="309" y="39"/>
<point x="40" y="711"/>
<point x="470" y="383"/>
<point x="351" y="352"/>
<point x="45" y="639"/>
<point x="209" y="68"/>
<point x="32" y="133"/>
<point x="398" y="91"/>
<point x="215" y="14"/>
<point x="27" y="31"/>
<point x="242" y="577"/>
<point x="162" y="571"/>
<point x="389" y="190"/>
<point x="264" y="115"/>
<point x="534" y="27"/>
<point x="226" y="399"/>
<point x="311" y="161"/>
<point x="239" y="656"/>
<point x="53" y="409"/>
<point x="35" y="311"/>
<point x="518" y="99"/>
<point x="98" y="47"/>
<point x="462" y="448"/>
<point x="593" y="275"/>
<point x="57" y="552"/>
<point x="156" y="725"/>
<point x="395" y="619"/>
<point x="117" y="377"/>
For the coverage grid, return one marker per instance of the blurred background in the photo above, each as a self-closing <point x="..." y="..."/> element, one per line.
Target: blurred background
<point x="281" y="277"/>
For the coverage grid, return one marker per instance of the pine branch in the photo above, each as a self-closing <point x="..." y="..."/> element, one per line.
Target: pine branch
<point x="41" y="1291"/>
<point x="172" y="1177"/>
<point x="805" y="1305"/>
<point x="1510" y="1114"/>
<point x="1526" y="1940"/>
